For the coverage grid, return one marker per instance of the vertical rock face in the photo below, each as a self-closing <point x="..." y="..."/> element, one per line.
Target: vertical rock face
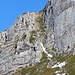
<point x="59" y="17"/>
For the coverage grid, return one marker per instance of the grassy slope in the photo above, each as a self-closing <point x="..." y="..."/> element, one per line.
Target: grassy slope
<point x="39" y="69"/>
<point x="70" y="66"/>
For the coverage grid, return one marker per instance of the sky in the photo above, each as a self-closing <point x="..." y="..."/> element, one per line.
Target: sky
<point x="11" y="9"/>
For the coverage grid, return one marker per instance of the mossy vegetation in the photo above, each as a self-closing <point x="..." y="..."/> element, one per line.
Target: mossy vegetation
<point x="23" y="37"/>
<point x="33" y="32"/>
<point x="70" y="66"/>
<point x="32" y="36"/>
<point x="41" y="23"/>
<point x="53" y="49"/>
<point x="41" y="29"/>
<point x="15" y="46"/>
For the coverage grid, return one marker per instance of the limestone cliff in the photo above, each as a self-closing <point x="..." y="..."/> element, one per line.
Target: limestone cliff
<point x="40" y="43"/>
<point x="59" y="16"/>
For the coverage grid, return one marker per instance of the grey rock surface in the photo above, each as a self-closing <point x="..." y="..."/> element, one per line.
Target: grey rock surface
<point x="59" y="17"/>
<point x="16" y="51"/>
<point x="20" y="44"/>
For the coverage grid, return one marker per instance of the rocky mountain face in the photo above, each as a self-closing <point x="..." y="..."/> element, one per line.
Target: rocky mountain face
<point x="59" y="16"/>
<point x="40" y="43"/>
<point x="19" y="45"/>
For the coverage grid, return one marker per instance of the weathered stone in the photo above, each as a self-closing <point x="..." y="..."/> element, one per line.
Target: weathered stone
<point x="20" y="44"/>
<point x="16" y="50"/>
<point x="59" y="17"/>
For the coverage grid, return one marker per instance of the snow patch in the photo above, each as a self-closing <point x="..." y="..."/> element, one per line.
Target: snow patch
<point x="43" y="48"/>
<point x="59" y="73"/>
<point x="49" y="55"/>
<point x="60" y="65"/>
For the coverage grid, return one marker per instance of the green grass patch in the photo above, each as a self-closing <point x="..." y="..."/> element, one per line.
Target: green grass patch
<point x="70" y="66"/>
<point x="53" y="49"/>
<point x="41" y="23"/>
<point x="32" y="34"/>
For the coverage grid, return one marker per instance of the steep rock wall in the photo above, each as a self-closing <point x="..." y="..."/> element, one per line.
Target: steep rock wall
<point x="59" y="17"/>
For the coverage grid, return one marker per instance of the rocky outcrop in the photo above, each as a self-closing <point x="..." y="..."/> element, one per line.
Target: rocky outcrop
<point x="19" y="45"/>
<point x="59" y="17"/>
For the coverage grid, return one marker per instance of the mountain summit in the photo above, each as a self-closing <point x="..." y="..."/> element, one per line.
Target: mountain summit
<point x="41" y="43"/>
